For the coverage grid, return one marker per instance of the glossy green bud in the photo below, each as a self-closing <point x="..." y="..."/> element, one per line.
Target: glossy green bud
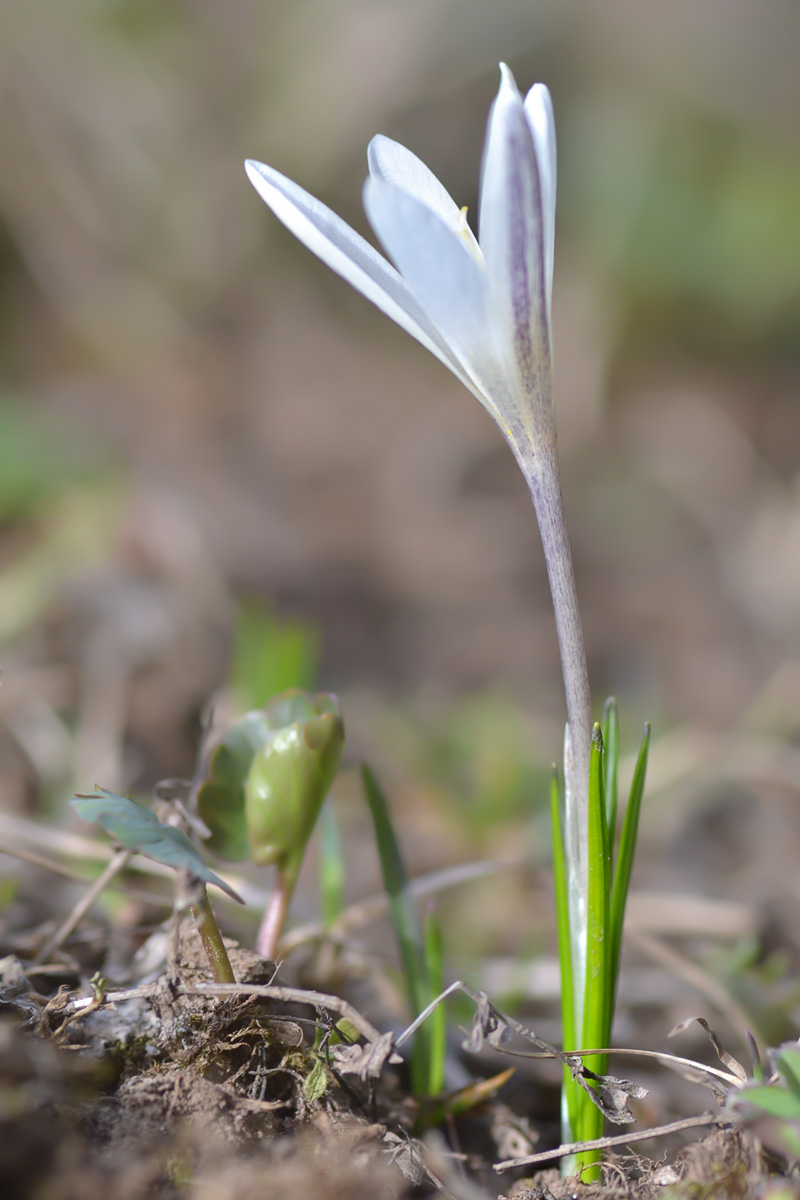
<point x="220" y="798"/>
<point x="290" y="776"/>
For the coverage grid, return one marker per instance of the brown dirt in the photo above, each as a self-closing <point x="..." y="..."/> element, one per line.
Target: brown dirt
<point x="171" y="1095"/>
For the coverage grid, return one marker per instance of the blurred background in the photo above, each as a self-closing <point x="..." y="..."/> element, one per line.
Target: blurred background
<point x="197" y="415"/>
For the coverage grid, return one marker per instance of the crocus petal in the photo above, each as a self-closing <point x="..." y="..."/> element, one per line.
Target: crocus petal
<point x="392" y="163"/>
<point x="511" y="238"/>
<point x="539" y="111"/>
<point x="450" y="286"/>
<point x="349" y="255"/>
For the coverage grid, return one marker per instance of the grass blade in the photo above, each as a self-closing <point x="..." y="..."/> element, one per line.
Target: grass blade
<point x="611" y="744"/>
<point x="599" y="987"/>
<point x="437" y="1021"/>
<point x="405" y="921"/>
<point x="627" y="847"/>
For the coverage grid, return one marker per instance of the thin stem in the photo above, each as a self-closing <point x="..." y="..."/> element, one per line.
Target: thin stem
<point x="542" y="475"/>
<point x="212" y="941"/>
<point x="274" y="917"/>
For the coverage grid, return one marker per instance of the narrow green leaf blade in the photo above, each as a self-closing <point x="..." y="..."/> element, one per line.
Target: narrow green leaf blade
<point x="611" y="743"/>
<point x="437" y="1021"/>
<point x="404" y="919"/>
<point x="597" y="1000"/>
<point x="627" y="849"/>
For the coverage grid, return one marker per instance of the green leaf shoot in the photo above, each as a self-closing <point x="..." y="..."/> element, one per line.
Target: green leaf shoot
<point x="406" y="924"/>
<point x="624" y="864"/>
<point x="437" y="1021"/>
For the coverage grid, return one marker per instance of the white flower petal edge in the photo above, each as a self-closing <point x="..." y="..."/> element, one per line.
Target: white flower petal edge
<point x="441" y="272"/>
<point x="512" y="239"/>
<point x="392" y="163"/>
<point x="539" y="111"/>
<point x="349" y="255"/>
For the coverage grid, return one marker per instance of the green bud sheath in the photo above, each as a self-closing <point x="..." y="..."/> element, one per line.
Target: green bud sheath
<point x="220" y="799"/>
<point x="290" y="776"/>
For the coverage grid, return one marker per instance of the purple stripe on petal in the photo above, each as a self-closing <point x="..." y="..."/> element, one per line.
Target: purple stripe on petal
<point x="512" y="240"/>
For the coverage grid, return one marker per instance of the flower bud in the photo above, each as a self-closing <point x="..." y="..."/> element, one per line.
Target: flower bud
<point x="290" y="775"/>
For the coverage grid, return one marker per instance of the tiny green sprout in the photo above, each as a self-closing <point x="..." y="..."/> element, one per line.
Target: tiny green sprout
<point x="267" y="781"/>
<point x="99" y="985"/>
<point x="138" y="828"/>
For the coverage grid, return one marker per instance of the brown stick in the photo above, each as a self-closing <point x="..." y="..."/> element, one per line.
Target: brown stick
<point x="117" y="864"/>
<point x="620" y="1139"/>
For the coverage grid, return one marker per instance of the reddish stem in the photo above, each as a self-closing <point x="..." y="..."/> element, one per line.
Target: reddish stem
<point x="274" y="917"/>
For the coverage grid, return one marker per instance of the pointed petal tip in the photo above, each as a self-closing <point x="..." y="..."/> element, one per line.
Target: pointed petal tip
<point x="254" y="170"/>
<point x="507" y="78"/>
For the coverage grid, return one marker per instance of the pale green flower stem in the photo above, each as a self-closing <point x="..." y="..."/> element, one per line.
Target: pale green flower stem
<point x="545" y="487"/>
<point x="542" y="474"/>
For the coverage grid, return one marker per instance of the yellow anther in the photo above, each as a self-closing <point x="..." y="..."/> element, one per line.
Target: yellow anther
<point x="464" y="231"/>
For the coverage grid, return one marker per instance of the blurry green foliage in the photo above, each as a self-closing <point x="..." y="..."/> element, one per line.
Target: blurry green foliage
<point x="271" y="655"/>
<point x="695" y="219"/>
<point x="779" y="1100"/>
<point x="36" y="461"/>
<point x="428" y="1047"/>
<point x="57" y="490"/>
<point x="765" y="986"/>
<point x="718" y="222"/>
<point x="332" y="866"/>
<point x="481" y="755"/>
<point x="9" y="888"/>
<point x="137" y="21"/>
<point x="73" y="533"/>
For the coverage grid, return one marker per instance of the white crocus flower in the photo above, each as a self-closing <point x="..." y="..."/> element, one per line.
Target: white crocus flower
<point x="483" y="308"/>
